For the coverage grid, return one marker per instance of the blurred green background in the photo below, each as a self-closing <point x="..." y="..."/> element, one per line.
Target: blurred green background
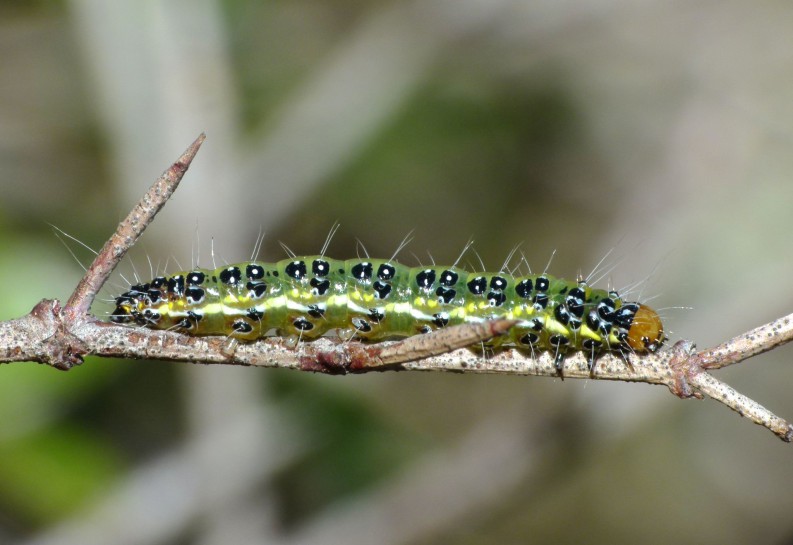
<point x="661" y="130"/>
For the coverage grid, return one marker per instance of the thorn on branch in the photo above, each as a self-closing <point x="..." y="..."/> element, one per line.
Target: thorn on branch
<point x="127" y="233"/>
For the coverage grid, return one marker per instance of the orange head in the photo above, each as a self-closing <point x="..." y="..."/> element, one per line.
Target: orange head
<point x="646" y="333"/>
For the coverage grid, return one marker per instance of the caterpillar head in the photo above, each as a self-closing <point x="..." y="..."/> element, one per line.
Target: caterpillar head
<point x="646" y="332"/>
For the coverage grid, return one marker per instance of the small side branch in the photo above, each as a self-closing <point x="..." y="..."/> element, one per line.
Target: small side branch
<point x="751" y="343"/>
<point x="127" y="234"/>
<point x="715" y="389"/>
<point x="61" y="337"/>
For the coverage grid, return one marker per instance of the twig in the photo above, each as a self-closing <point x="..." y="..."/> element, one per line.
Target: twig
<point x="720" y="391"/>
<point x="127" y="234"/>
<point x="746" y="345"/>
<point x="62" y="337"/>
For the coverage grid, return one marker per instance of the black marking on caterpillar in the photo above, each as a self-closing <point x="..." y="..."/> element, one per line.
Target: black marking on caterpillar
<point x="381" y="299"/>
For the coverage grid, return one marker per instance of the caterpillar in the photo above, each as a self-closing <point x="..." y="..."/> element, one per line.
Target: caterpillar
<point x="375" y="299"/>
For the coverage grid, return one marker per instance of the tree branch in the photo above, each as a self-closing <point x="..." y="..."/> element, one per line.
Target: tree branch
<point x="751" y="343"/>
<point x="62" y="337"/>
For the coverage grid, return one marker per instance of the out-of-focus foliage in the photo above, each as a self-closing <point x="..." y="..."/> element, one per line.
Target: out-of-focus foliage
<point x="55" y="471"/>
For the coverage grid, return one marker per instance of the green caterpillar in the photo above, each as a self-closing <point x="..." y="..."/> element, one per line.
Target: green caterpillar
<point x="374" y="300"/>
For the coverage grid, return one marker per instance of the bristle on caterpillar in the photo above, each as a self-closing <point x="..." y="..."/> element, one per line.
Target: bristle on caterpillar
<point x="374" y="300"/>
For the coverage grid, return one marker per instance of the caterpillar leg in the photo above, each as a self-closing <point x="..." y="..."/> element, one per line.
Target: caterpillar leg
<point x="345" y="335"/>
<point x="558" y="362"/>
<point x="624" y="354"/>
<point x="291" y="341"/>
<point x="592" y="347"/>
<point x="230" y="347"/>
<point x="560" y="342"/>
